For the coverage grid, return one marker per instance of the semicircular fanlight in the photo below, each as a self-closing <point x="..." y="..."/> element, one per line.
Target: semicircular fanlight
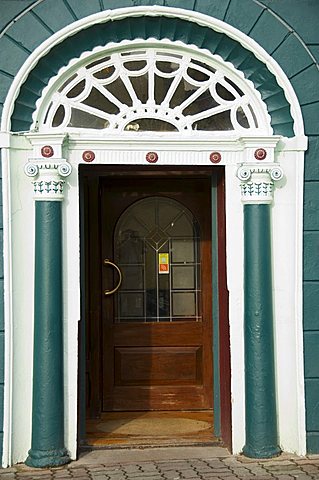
<point x="150" y="90"/>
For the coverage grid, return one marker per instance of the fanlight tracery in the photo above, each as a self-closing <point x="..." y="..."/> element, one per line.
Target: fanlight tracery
<point x="150" y="90"/>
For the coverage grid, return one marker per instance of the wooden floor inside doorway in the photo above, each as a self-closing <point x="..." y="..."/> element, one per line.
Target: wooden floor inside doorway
<point x="125" y="429"/>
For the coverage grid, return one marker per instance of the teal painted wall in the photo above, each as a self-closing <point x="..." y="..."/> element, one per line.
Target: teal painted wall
<point x="288" y="30"/>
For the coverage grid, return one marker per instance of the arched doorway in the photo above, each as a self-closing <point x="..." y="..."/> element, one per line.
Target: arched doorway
<point x="174" y="92"/>
<point x="246" y="137"/>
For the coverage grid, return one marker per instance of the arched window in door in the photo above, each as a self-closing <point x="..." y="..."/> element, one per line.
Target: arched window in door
<point x="157" y="248"/>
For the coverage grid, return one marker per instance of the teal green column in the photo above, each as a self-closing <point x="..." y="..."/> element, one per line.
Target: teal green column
<point x="260" y="385"/>
<point x="47" y="444"/>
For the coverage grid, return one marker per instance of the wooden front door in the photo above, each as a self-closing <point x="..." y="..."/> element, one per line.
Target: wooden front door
<point x="154" y="334"/>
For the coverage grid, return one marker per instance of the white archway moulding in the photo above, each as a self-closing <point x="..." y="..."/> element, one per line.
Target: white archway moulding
<point x="117" y="14"/>
<point x="236" y="148"/>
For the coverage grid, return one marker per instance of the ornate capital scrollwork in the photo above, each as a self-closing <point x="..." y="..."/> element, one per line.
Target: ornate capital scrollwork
<point x="257" y="182"/>
<point x="48" y="184"/>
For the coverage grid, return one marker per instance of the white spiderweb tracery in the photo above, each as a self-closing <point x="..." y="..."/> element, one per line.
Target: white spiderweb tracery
<point x="150" y="90"/>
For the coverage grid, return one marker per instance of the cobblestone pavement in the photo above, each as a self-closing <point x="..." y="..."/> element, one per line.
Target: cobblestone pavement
<point x="228" y="467"/>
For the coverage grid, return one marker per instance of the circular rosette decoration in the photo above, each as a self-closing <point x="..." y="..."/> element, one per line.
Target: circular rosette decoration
<point x="47" y="151"/>
<point x="151" y="157"/>
<point x="88" y="156"/>
<point x="215" y="157"/>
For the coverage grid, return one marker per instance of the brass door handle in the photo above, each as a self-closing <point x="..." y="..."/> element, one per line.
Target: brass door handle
<point x="108" y="262"/>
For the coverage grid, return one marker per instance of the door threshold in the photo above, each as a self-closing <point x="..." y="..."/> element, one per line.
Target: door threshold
<point x="151" y="429"/>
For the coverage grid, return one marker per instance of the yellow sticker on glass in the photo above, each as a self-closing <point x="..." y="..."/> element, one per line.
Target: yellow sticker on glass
<point x="163" y="263"/>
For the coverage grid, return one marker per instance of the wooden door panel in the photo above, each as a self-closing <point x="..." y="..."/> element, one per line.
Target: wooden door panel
<point x="150" y="363"/>
<point x="185" y="333"/>
<point x="158" y="366"/>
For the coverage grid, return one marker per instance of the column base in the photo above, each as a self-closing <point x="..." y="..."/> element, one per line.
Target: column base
<point x="47" y="458"/>
<point x="262" y="452"/>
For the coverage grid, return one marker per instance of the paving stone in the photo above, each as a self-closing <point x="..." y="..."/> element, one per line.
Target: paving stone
<point x="213" y="463"/>
<point x="285" y="477"/>
<point x="228" y="474"/>
<point x="212" y="478"/>
<point x="260" y="472"/>
<point x="29" y="477"/>
<point x="243" y="459"/>
<point x="63" y="474"/>
<point x="214" y="475"/>
<point x="190" y="474"/>
<point x="303" y="476"/>
<point x="33" y="473"/>
<point x="150" y="476"/>
<point x="82" y="477"/>
<point x="172" y="474"/>
<point x="38" y="472"/>
<point x="263" y="477"/>
<point x="283" y="468"/>
<point x="203" y="470"/>
<point x="25" y="477"/>
<point x="295" y="472"/>
<point x="131" y="474"/>
<point x="242" y="472"/>
<point x="306" y="461"/>
<point x="231" y="461"/>
<point x="97" y="466"/>
<point x="122" y="476"/>
<point x="42" y="477"/>
<point x="171" y="465"/>
<point x="145" y="478"/>
<point x="129" y="468"/>
<point x="110" y="474"/>
<point x="310" y="468"/>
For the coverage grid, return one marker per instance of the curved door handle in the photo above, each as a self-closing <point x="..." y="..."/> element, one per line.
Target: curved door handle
<point x="108" y="262"/>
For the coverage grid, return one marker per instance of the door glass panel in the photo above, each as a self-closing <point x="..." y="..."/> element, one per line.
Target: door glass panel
<point x="131" y="305"/>
<point x="184" y="304"/>
<point x="156" y="246"/>
<point x="131" y="250"/>
<point x="183" y="250"/>
<point x="133" y="277"/>
<point x="180" y="226"/>
<point x="183" y="277"/>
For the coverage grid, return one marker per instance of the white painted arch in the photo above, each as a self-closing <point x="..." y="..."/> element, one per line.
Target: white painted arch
<point x="235" y="150"/>
<point x="191" y="16"/>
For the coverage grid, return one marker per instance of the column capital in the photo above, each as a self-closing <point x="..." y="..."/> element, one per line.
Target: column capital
<point x="257" y="182"/>
<point x="48" y="174"/>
